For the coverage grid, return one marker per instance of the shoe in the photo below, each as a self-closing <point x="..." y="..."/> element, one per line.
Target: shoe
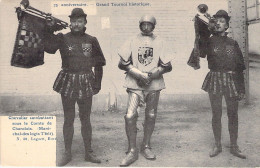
<point x="234" y="149"/>
<point x="147" y="153"/>
<point x="66" y="158"/>
<point x="130" y="158"/>
<point x="217" y="149"/>
<point x="89" y="157"/>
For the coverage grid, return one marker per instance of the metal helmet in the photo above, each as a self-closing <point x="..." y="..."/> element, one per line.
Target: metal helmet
<point x="148" y="18"/>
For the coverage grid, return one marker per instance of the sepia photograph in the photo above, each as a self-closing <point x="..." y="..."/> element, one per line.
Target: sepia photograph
<point x="138" y="83"/>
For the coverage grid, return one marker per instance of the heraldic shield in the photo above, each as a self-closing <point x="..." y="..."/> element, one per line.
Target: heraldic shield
<point x="87" y="49"/>
<point x="29" y="49"/>
<point x="145" y="55"/>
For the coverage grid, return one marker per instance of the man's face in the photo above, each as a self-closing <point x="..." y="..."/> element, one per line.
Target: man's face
<point x="146" y="27"/>
<point x="77" y="23"/>
<point x="221" y="24"/>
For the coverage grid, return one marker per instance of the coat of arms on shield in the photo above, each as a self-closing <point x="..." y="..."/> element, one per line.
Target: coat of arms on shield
<point x="145" y="55"/>
<point x="87" y="49"/>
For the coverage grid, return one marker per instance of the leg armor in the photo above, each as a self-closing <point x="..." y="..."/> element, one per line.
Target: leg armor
<point x="149" y="123"/>
<point x="152" y="100"/>
<point x="131" y="118"/>
<point x="130" y="128"/>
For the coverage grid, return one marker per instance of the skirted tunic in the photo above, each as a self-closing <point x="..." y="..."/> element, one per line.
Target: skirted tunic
<point x="79" y="53"/>
<point x="226" y="64"/>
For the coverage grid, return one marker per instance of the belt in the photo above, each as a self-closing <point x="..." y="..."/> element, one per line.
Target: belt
<point x="76" y="70"/>
<point x="223" y="71"/>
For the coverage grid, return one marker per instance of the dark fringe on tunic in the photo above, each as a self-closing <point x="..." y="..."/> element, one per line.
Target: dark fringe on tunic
<point x="74" y="85"/>
<point x="220" y="82"/>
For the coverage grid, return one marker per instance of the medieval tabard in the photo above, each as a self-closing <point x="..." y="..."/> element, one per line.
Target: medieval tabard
<point x="146" y="52"/>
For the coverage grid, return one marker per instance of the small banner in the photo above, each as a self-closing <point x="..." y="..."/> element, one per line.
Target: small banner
<point x="29" y="49"/>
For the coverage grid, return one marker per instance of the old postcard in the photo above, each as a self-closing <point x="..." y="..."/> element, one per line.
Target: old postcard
<point x="143" y="83"/>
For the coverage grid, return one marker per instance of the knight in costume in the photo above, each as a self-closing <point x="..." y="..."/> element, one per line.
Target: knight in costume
<point x="76" y="82"/>
<point x="144" y="59"/>
<point x="225" y="79"/>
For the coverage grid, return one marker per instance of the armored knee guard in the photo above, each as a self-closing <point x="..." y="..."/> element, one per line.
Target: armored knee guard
<point x="150" y="116"/>
<point x="151" y="105"/>
<point x="131" y="130"/>
<point x="131" y="119"/>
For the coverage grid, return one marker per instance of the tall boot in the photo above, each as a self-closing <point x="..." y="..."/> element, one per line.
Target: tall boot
<point x="217" y="148"/>
<point x="68" y="132"/>
<point x="216" y="126"/>
<point x="233" y="132"/>
<point x="232" y="109"/>
<point x="87" y="136"/>
<point x="86" y="132"/>
<point x="68" y="127"/>
<point x="234" y="149"/>
<point x="131" y="132"/>
<point x="90" y="157"/>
